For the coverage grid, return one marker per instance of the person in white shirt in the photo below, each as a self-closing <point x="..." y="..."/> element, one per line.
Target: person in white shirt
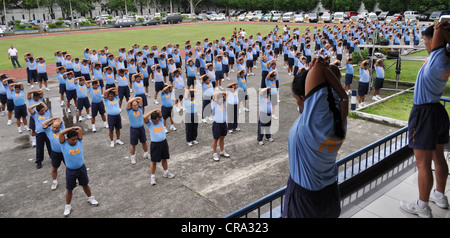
<point x="12" y="54"/>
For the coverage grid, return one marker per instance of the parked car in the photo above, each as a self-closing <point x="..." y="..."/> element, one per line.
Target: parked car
<point x="349" y="14"/>
<point x="313" y="17"/>
<point x="444" y="18"/>
<point x="172" y="19"/>
<point x="201" y="16"/>
<point x="129" y="22"/>
<point x="339" y="16"/>
<point x="362" y="15"/>
<point x="409" y="17"/>
<point x="276" y="17"/>
<point x="218" y="17"/>
<point x="326" y="17"/>
<point x="398" y="16"/>
<point x="390" y="19"/>
<point x="416" y="14"/>
<point x="354" y="19"/>
<point x="382" y="16"/>
<point x="151" y="22"/>
<point x="241" y="17"/>
<point x="372" y="17"/>
<point x="287" y="16"/>
<point x="298" y="18"/>
<point x="424" y="16"/>
<point x="259" y="16"/>
<point x="437" y="14"/>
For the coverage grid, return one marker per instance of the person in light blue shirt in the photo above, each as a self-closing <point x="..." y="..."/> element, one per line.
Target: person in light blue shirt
<point x="97" y="103"/>
<point x="348" y="75"/>
<point x="379" y="80"/>
<point x="313" y="144"/>
<point x="167" y="107"/>
<point x="232" y="101"/>
<point x="32" y="74"/>
<point x="20" y="108"/>
<point x="82" y="98"/>
<point x="219" y="125"/>
<point x="110" y="77"/>
<point x="159" y="147"/>
<point x="137" y="130"/>
<point x="265" y="115"/>
<point x="428" y="123"/>
<point x="208" y="91"/>
<point x="191" y="117"/>
<point x="52" y="127"/>
<point x="40" y="113"/>
<point x="72" y="149"/>
<point x="111" y="100"/>
<point x="86" y="69"/>
<point x="138" y="84"/>
<point x="41" y="66"/>
<point x="363" y="84"/>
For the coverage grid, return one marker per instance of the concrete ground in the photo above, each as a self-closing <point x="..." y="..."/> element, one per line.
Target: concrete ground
<point x="201" y="188"/>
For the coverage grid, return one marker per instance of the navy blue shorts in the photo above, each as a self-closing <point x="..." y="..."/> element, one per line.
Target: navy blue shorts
<point x="62" y="88"/>
<point x="98" y="108"/>
<point x="3" y="99"/>
<point x="303" y="203"/>
<point x="190" y="81"/>
<point x="124" y="91"/>
<point x="137" y="134"/>
<point x="83" y="103"/>
<point x="72" y="175"/>
<point x="32" y="124"/>
<point x="348" y="79"/>
<point x="57" y="158"/>
<point x="219" y="75"/>
<point x="20" y="111"/>
<point x="42" y="77"/>
<point x="108" y="86"/>
<point x="10" y="105"/>
<point x="114" y="122"/>
<point x="291" y="62"/>
<point x="144" y="99"/>
<point x="219" y="130"/>
<point x="249" y="63"/>
<point x="166" y="112"/>
<point x="159" y="151"/>
<point x="378" y="83"/>
<point x="71" y="94"/>
<point x="363" y="89"/>
<point x="428" y="125"/>
<point x="225" y="68"/>
<point x="159" y="86"/>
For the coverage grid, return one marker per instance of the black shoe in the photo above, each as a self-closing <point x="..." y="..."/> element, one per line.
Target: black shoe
<point x="39" y="165"/>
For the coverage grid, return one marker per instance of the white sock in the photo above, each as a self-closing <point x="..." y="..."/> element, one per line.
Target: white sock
<point x="422" y="204"/>
<point x="438" y="194"/>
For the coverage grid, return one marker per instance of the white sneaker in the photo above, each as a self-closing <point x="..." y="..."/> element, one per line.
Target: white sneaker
<point x="189" y="143"/>
<point x="246" y="109"/>
<point x="80" y="119"/>
<point x="147" y="155"/>
<point x="224" y="154"/>
<point x="9" y="122"/>
<point x="203" y="120"/>
<point x="32" y="86"/>
<point x="379" y="98"/>
<point x="33" y="141"/>
<point x="375" y="98"/>
<point x="19" y="130"/>
<point x="67" y="209"/>
<point x="237" y="129"/>
<point x="62" y="103"/>
<point x="47" y="89"/>
<point x="228" y="78"/>
<point x="167" y="131"/>
<point x="230" y="131"/>
<point x="172" y="127"/>
<point x="195" y="142"/>
<point x="441" y="202"/>
<point x="156" y="102"/>
<point x="68" y="110"/>
<point x="152" y="180"/>
<point x="54" y="185"/>
<point x="133" y="159"/>
<point x="269" y="140"/>
<point x="413" y="208"/>
<point x="93" y="128"/>
<point x="119" y="142"/>
<point x="105" y="124"/>
<point x="168" y="175"/>
<point x="215" y="157"/>
<point x="112" y="144"/>
<point x="91" y="200"/>
<point x="131" y="90"/>
<point x="261" y="142"/>
<point x="88" y="116"/>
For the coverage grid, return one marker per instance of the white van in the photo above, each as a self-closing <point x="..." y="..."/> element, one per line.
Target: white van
<point x="339" y="16"/>
<point x="287" y="16"/>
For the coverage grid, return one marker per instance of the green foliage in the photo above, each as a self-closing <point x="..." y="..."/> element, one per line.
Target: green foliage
<point x="359" y="56"/>
<point x="52" y="25"/>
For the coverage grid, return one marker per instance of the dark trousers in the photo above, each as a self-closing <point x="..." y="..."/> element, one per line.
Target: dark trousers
<point x="232" y="116"/>
<point x="206" y="105"/>
<point x="41" y="139"/>
<point x="14" y="60"/>
<point x="264" y="122"/>
<point x="191" y="122"/>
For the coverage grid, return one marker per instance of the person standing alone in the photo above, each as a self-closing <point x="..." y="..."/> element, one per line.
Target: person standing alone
<point x="12" y="54"/>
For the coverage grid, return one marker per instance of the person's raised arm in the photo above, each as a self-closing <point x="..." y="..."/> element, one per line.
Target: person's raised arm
<point x="441" y="35"/>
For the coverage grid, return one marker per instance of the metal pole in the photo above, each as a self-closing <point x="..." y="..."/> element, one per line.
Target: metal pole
<point x="4" y="12"/>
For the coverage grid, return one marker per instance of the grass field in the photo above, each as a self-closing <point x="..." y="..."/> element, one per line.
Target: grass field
<point x="75" y="43"/>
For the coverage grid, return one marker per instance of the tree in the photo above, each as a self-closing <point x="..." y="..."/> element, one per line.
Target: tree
<point x="193" y="4"/>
